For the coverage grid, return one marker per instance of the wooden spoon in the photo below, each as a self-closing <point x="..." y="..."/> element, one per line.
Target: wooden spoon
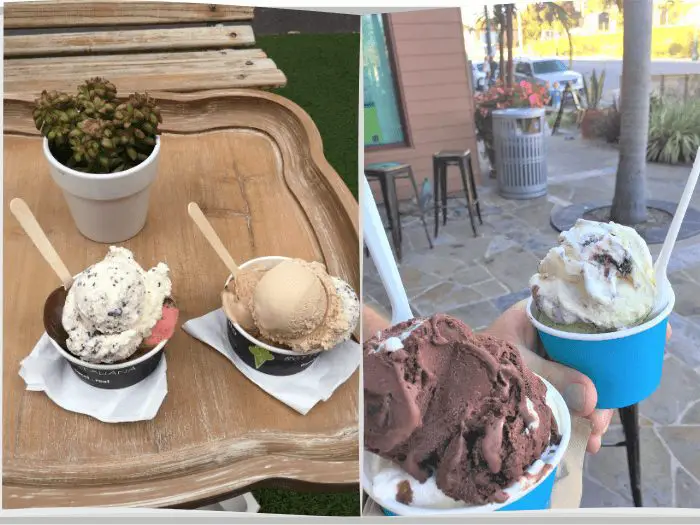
<point x="208" y="231"/>
<point x="53" y="307"/>
<point x="31" y="227"/>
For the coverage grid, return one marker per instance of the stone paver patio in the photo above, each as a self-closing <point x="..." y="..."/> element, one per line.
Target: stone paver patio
<point x="475" y="279"/>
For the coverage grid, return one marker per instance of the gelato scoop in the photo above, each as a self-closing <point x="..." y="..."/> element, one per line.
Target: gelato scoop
<point x="294" y="303"/>
<point x="113" y="306"/>
<point x="457" y="412"/>
<point x="599" y="279"/>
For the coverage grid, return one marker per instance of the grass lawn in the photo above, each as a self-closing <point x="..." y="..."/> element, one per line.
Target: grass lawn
<point x="323" y="78"/>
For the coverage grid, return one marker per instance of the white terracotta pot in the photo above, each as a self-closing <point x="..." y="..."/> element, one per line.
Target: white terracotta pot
<point x="110" y="207"/>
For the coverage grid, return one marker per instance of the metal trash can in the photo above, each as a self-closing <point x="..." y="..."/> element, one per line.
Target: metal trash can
<point x="521" y="160"/>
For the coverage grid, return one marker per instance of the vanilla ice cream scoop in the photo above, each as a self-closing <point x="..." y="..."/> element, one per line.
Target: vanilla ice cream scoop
<point x="601" y="275"/>
<point x="112" y="306"/>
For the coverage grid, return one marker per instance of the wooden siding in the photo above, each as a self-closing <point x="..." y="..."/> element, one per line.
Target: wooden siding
<point x="432" y="71"/>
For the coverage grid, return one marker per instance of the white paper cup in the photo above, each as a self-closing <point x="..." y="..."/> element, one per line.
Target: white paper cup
<point x="523" y="495"/>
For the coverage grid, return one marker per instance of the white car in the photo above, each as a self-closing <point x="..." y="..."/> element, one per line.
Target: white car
<point x="542" y="70"/>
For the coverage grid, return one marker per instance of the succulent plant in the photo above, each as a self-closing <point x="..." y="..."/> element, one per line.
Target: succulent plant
<point x="92" y="131"/>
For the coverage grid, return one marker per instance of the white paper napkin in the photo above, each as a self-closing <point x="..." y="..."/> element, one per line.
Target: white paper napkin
<point x="299" y="391"/>
<point x="45" y="370"/>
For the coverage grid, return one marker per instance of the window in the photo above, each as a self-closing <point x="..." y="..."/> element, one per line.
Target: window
<point x="383" y="119"/>
<point x="549" y="66"/>
<point x="523" y="69"/>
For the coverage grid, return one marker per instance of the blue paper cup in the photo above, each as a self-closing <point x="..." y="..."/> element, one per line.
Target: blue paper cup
<point x="625" y="366"/>
<point x="524" y="495"/>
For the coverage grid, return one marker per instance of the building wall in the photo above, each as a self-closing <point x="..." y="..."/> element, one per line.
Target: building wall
<point x="435" y="84"/>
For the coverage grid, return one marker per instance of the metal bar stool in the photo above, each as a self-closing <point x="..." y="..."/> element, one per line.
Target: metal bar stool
<point x="387" y="173"/>
<point x="462" y="159"/>
<point x="630" y="426"/>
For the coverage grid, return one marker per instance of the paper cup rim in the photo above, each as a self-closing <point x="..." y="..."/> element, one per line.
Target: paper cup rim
<point x="607" y="336"/>
<point x="101" y="176"/>
<point x="244" y="333"/>
<point x="114" y="366"/>
<point x="563" y="419"/>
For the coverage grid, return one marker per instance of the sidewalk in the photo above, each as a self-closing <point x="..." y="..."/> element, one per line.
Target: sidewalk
<point x="475" y="279"/>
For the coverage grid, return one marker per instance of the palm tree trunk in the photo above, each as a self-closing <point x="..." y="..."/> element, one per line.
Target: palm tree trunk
<point x="487" y="19"/>
<point x="501" y="61"/>
<point x="509" y="44"/>
<point x="629" y="203"/>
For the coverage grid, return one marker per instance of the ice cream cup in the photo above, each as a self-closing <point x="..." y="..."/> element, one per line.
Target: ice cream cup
<point x="117" y="375"/>
<point x="262" y="356"/>
<point x="108" y="376"/>
<point x="625" y="366"/>
<point x="534" y="492"/>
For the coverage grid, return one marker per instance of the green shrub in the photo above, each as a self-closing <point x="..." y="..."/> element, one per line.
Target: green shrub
<point x="674" y="131"/>
<point x="610" y="126"/>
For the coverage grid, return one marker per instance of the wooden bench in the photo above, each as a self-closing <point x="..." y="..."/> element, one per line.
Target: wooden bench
<point x="139" y="46"/>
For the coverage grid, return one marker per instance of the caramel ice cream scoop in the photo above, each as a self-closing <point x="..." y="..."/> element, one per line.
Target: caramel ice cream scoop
<point x="296" y="304"/>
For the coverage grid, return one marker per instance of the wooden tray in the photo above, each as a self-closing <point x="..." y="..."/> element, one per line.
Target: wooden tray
<point x="254" y="162"/>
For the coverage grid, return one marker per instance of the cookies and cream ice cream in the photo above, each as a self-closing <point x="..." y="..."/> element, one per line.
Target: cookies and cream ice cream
<point x="112" y="306"/>
<point x="457" y="414"/>
<point x="294" y="303"/>
<point x="600" y="278"/>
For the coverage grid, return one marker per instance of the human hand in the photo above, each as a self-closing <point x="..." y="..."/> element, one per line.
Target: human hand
<point x="576" y="388"/>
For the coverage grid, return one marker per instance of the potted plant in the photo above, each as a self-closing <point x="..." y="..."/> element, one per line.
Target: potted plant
<point x="103" y="154"/>
<point x="522" y="95"/>
<point x="593" y="115"/>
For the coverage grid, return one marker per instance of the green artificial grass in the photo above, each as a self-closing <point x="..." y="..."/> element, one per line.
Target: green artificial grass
<point x="323" y="78"/>
<point x="278" y="501"/>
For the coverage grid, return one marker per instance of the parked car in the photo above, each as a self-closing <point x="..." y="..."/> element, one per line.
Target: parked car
<point x="542" y="70"/>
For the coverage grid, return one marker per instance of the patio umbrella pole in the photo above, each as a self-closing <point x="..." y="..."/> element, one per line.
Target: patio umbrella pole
<point x="380" y="250"/>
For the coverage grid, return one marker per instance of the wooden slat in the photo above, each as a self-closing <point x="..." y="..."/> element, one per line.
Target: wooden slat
<point x="139" y="40"/>
<point x="137" y="73"/>
<point x="77" y="13"/>
<point x="184" y="58"/>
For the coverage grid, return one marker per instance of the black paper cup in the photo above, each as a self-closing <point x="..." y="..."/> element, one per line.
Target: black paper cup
<point x="265" y="358"/>
<point x="118" y="375"/>
<point x="262" y="356"/>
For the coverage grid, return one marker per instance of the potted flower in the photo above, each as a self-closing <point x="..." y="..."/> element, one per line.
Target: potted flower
<point x="522" y="95"/>
<point x="103" y="154"/>
<point x="593" y="115"/>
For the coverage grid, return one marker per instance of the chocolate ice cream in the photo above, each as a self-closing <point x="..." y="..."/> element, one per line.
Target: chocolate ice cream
<point x="443" y="402"/>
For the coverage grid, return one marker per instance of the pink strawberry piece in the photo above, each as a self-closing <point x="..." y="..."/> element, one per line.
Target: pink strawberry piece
<point x="165" y="328"/>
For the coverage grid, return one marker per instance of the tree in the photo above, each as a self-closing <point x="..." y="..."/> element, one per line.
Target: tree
<point x="509" y="43"/>
<point x="498" y="12"/>
<point x="629" y="202"/>
<point x="558" y="16"/>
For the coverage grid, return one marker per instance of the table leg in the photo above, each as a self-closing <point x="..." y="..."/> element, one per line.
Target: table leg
<point x="468" y="195"/>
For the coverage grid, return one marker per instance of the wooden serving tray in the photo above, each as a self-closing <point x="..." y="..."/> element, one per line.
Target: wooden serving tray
<point x="254" y="162"/>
